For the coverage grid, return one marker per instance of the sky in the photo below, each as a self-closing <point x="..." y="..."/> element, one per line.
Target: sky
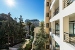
<point x="29" y="9"/>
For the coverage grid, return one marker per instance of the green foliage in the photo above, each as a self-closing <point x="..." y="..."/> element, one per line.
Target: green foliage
<point x="32" y="30"/>
<point x="20" y="48"/>
<point x="28" y="46"/>
<point x="11" y="31"/>
<point x="40" y="38"/>
<point x="29" y="24"/>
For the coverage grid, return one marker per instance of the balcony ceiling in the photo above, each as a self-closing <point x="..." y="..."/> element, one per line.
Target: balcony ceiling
<point x="56" y="4"/>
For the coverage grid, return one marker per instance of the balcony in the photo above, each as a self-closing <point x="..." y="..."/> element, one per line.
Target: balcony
<point x="56" y="11"/>
<point x="57" y="47"/>
<point x="56" y="32"/>
<point x="69" y="38"/>
<point x="67" y="2"/>
<point x="54" y="48"/>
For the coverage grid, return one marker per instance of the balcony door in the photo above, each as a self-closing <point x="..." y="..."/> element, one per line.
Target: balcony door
<point x="57" y="28"/>
<point x="72" y="28"/>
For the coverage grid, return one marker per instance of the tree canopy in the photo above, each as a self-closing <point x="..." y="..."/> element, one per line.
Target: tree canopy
<point x="40" y="38"/>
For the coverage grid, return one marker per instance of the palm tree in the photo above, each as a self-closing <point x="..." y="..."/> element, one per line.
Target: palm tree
<point x="32" y="30"/>
<point x="8" y="26"/>
<point x="22" y="25"/>
<point x="29" y="24"/>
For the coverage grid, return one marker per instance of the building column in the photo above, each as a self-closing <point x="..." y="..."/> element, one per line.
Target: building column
<point x="53" y="44"/>
<point x="53" y="32"/>
<point x="53" y="27"/>
<point x="64" y="27"/>
<point x="61" y="29"/>
<point x="61" y="5"/>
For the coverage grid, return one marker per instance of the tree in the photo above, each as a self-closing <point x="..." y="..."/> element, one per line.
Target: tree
<point x="29" y="24"/>
<point x="32" y="30"/>
<point x="40" y="38"/>
<point x="21" y="30"/>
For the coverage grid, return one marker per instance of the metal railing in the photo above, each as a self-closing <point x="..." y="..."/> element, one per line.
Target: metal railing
<point x="54" y="48"/>
<point x="67" y="2"/>
<point x="56" y="32"/>
<point x="56" y="11"/>
<point x="51" y="2"/>
<point x="70" y="38"/>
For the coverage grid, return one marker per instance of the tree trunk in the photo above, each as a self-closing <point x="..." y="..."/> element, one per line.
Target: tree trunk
<point x="13" y="38"/>
<point x="8" y="39"/>
<point x="29" y="29"/>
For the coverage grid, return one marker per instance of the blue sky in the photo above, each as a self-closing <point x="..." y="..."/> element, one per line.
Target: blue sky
<point x="29" y="9"/>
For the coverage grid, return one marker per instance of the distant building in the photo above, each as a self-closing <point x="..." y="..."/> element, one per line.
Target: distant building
<point x="34" y="22"/>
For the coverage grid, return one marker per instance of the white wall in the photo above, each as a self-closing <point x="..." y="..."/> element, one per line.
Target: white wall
<point x="65" y="12"/>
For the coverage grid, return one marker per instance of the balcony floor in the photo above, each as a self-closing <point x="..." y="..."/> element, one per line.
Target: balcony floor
<point x="72" y="44"/>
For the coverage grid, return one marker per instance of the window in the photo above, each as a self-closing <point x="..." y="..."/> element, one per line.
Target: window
<point x="71" y="28"/>
<point x="47" y="46"/>
<point x="74" y="28"/>
<point x="47" y="14"/>
<point x="47" y="3"/>
<point x="50" y="29"/>
<point x="56" y="44"/>
<point x="57" y="26"/>
<point x="47" y="25"/>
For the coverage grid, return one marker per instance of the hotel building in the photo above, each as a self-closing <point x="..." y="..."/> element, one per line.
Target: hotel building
<point x="59" y="18"/>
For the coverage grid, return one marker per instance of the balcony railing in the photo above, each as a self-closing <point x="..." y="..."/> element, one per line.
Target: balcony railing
<point x="56" y="11"/>
<point x="69" y="38"/>
<point x="56" y="32"/>
<point x="56" y="45"/>
<point x="67" y="2"/>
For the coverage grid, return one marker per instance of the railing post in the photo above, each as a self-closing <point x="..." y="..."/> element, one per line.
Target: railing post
<point x="66" y="37"/>
<point x="67" y="2"/>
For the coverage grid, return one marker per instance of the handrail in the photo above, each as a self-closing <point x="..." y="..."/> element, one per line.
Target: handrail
<point x="56" y="11"/>
<point x="67" y="2"/>
<point x="65" y="35"/>
<point x="54" y="31"/>
<point x="66" y="32"/>
<point x="71" y="39"/>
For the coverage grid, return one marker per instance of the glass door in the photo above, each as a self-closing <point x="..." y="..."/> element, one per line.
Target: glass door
<point x="71" y="28"/>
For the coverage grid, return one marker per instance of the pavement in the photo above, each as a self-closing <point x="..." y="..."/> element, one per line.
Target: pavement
<point x="10" y="48"/>
<point x="27" y="41"/>
<point x="15" y="47"/>
<point x="19" y="45"/>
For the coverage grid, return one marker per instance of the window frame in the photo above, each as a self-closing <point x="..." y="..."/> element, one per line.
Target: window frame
<point x="47" y="14"/>
<point x="47" y="25"/>
<point x="47" y="4"/>
<point x="73" y="28"/>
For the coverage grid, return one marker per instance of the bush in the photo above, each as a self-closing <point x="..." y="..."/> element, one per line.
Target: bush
<point x="28" y="46"/>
